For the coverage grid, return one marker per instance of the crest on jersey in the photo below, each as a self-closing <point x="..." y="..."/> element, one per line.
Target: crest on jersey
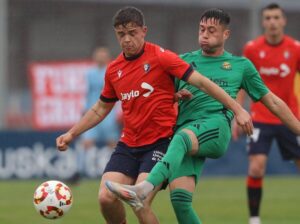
<point x="119" y="73"/>
<point x="226" y="65"/>
<point x="286" y="54"/>
<point x="262" y="54"/>
<point x="146" y="67"/>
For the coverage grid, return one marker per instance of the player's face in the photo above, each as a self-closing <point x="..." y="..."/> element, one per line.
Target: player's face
<point x="131" y="38"/>
<point x="212" y="36"/>
<point x="273" y="21"/>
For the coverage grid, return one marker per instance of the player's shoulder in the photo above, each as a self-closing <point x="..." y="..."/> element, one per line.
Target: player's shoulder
<point x="190" y="54"/>
<point x="115" y="64"/>
<point x="152" y="48"/>
<point x="291" y="41"/>
<point x="237" y="58"/>
<point x="260" y="40"/>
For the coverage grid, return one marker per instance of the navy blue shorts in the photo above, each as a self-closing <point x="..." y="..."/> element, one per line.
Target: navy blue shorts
<point x="132" y="161"/>
<point x="263" y="135"/>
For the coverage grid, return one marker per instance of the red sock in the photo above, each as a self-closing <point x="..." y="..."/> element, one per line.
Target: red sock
<point x="254" y="190"/>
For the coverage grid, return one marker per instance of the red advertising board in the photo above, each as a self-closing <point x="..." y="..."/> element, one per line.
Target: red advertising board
<point x="58" y="93"/>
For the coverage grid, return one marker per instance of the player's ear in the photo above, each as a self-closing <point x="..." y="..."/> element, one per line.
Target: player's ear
<point x="145" y="29"/>
<point x="226" y="34"/>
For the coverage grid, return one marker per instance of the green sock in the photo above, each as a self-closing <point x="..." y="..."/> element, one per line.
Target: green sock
<point x="182" y="205"/>
<point x="179" y="146"/>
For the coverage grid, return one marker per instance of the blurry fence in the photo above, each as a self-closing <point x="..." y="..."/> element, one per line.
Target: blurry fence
<point x="27" y="155"/>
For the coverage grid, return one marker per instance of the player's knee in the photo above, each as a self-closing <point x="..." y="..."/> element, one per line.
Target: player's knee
<point x="216" y="153"/>
<point x="105" y="197"/>
<point x="256" y="170"/>
<point x="183" y="140"/>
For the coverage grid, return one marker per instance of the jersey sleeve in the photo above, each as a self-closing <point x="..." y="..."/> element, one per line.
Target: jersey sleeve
<point x="174" y="65"/>
<point x="298" y="58"/>
<point x="108" y="94"/>
<point x="252" y="82"/>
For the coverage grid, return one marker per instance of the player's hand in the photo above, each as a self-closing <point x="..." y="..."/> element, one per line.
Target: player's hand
<point x="183" y="94"/>
<point x="236" y="130"/>
<point x="63" y="141"/>
<point x="244" y="120"/>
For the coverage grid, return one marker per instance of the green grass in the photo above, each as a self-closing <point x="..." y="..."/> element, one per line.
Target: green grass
<point x="220" y="200"/>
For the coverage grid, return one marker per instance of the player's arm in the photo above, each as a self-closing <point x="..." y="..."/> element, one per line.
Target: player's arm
<point x="90" y="119"/>
<point x="236" y="130"/>
<point x="279" y="108"/>
<point x="242" y="116"/>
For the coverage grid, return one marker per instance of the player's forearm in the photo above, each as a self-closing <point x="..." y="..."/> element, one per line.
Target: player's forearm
<point x="282" y="111"/>
<point x="90" y="119"/>
<point x="241" y="97"/>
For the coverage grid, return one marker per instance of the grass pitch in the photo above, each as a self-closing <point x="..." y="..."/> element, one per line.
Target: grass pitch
<point x="218" y="200"/>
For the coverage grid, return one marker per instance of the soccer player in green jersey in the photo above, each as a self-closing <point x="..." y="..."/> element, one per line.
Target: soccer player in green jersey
<point x="203" y="126"/>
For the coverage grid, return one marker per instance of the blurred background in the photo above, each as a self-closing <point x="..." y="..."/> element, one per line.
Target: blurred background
<point x="46" y="51"/>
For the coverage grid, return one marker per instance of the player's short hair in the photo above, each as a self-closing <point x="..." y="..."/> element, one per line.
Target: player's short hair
<point x="127" y="15"/>
<point x="272" y="6"/>
<point x="217" y="14"/>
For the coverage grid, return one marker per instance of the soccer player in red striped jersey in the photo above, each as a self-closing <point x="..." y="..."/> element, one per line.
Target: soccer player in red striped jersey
<point x="277" y="58"/>
<point x="142" y="78"/>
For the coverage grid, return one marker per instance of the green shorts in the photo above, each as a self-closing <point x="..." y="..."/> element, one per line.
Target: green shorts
<point x="213" y="135"/>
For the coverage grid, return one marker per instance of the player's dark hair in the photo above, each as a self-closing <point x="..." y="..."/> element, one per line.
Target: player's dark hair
<point x="272" y="6"/>
<point x="127" y="15"/>
<point x="217" y="14"/>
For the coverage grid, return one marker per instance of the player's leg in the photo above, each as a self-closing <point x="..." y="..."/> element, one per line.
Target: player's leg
<point x="122" y="168"/>
<point x="184" y="141"/>
<point x="259" y="146"/>
<point x="111" y="207"/>
<point x="289" y="145"/>
<point x="181" y="194"/>
<point x="145" y="214"/>
<point x="147" y="157"/>
<point x="182" y="186"/>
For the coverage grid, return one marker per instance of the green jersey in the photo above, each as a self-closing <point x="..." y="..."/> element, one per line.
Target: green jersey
<point x="229" y="72"/>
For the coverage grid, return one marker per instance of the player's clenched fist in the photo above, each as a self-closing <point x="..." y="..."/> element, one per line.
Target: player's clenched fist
<point x="63" y="141"/>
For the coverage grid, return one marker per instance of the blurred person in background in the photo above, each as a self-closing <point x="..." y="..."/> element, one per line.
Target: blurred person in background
<point x="142" y="78"/>
<point x="204" y="125"/>
<point x="277" y="58"/>
<point x="108" y="132"/>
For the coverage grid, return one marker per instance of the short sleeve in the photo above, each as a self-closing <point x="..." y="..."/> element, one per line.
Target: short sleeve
<point x="298" y="54"/>
<point x="108" y="94"/>
<point x="252" y="82"/>
<point x="173" y="64"/>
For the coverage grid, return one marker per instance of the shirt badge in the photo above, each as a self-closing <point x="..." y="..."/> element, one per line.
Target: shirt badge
<point x="146" y="67"/>
<point x="226" y="65"/>
<point x="262" y="54"/>
<point x="119" y="73"/>
<point x="286" y="54"/>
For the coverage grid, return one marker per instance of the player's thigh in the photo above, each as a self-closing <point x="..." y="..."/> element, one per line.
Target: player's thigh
<point x="155" y="152"/>
<point x="213" y="135"/>
<point x="261" y="139"/>
<point x="289" y="143"/>
<point x="123" y="161"/>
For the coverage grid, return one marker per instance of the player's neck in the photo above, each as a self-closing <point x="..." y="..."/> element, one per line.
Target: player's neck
<point x="216" y="53"/>
<point x="275" y="39"/>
